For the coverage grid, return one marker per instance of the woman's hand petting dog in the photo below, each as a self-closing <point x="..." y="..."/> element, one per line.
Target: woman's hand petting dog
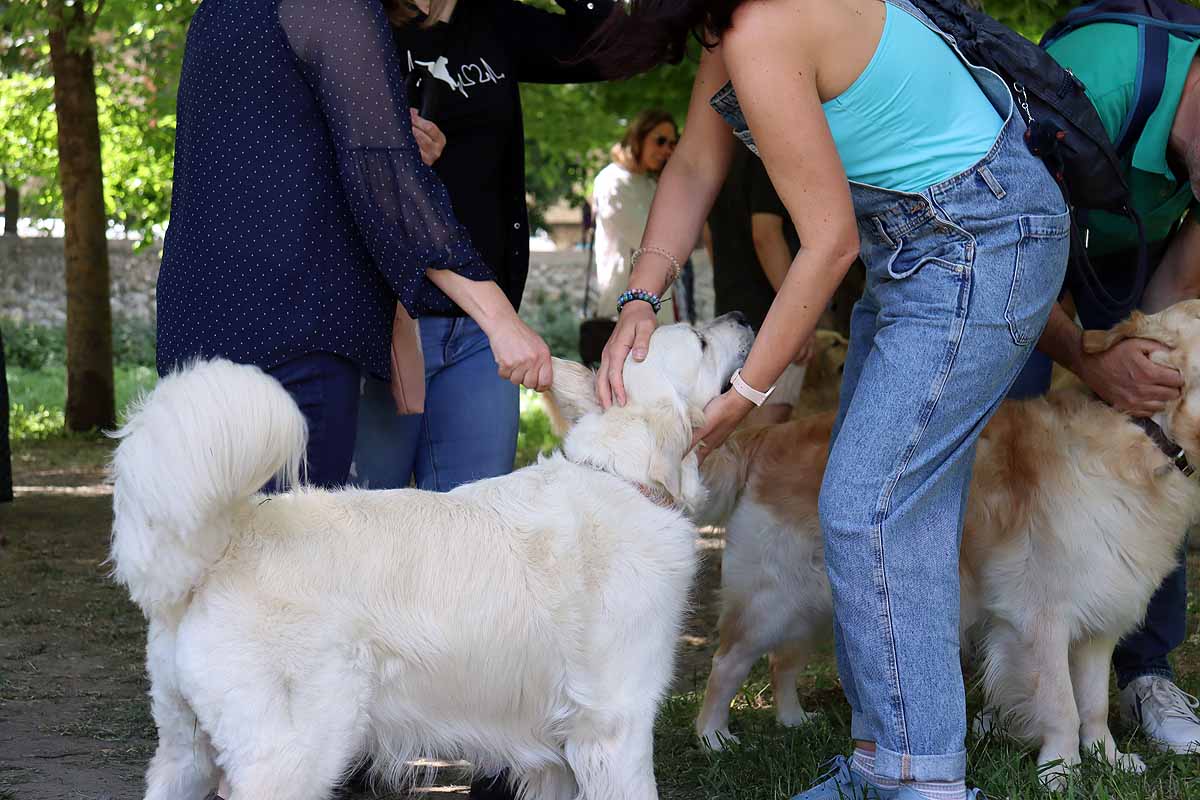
<point x="634" y="326"/>
<point x="721" y="416"/>
<point x="1128" y="379"/>
<point x="523" y="357"/>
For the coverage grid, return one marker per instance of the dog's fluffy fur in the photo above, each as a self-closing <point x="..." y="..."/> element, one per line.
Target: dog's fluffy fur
<point x="526" y="622"/>
<point x="1074" y="518"/>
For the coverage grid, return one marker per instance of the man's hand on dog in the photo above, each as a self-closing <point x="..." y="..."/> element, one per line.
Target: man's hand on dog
<point x="1126" y="378"/>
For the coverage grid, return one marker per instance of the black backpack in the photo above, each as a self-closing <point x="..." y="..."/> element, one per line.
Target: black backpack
<point x="1064" y="129"/>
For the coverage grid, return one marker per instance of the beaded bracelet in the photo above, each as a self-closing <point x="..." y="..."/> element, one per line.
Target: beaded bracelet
<point x="639" y="294"/>
<point x="676" y="267"/>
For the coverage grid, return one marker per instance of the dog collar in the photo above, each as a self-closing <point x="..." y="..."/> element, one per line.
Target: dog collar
<point x="660" y="497"/>
<point x="1171" y="450"/>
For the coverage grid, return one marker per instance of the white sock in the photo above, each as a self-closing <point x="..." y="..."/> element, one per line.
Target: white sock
<point x="939" y="790"/>
<point x="863" y="762"/>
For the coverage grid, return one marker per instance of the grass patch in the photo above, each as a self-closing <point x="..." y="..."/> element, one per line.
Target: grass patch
<point x="535" y="436"/>
<point x="774" y="763"/>
<point x="37" y="397"/>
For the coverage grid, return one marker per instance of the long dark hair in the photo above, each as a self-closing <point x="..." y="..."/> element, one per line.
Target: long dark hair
<point x="641" y="34"/>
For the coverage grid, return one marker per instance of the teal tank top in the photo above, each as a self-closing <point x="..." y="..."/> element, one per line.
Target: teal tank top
<point x="915" y="116"/>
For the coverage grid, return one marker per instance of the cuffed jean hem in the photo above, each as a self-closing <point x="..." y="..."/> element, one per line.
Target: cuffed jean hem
<point x="1124" y="680"/>
<point x="860" y="728"/>
<point x="907" y="767"/>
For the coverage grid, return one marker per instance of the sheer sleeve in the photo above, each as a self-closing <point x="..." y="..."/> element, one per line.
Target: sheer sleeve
<point x="346" y="54"/>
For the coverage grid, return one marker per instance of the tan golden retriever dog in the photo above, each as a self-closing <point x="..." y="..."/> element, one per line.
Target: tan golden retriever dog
<point x="1075" y="516"/>
<point x="526" y="622"/>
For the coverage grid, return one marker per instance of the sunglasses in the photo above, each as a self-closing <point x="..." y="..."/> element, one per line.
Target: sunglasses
<point x="664" y="140"/>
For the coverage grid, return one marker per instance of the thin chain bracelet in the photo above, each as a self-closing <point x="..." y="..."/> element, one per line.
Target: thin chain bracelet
<point x="676" y="267"/>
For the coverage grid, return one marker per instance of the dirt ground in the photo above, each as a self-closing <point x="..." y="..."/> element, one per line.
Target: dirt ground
<point x="74" y="717"/>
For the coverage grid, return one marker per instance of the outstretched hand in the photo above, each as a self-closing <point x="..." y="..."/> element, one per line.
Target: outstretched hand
<point x="721" y="416"/>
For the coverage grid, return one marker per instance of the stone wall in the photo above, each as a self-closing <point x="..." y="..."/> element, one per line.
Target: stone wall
<point x="562" y="274"/>
<point x="32" y="288"/>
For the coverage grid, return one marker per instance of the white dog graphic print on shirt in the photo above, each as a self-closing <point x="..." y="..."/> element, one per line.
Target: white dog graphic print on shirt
<point x="468" y="74"/>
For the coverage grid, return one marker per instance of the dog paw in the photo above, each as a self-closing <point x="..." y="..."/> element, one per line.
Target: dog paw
<point x="795" y="717"/>
<point x="989" y="722"/>
<point x="1053" y="773"/>
<point x="1053" y="777"/>
<point x="716" y="740"/>
<point x="1129" y="762"/>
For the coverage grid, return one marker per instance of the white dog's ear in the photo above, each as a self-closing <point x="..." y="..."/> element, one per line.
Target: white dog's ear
<point x="672" y="467"/>
<point x="572" y="395"/>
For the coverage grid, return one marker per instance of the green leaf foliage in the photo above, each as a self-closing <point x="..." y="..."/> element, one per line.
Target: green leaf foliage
<point x="138" y="48"/>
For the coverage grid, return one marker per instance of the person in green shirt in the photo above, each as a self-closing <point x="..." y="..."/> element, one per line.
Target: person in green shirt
<point x="1163" y="173"/>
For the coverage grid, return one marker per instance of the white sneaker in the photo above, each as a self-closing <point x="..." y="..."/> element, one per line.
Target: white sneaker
<point x="1164" y="712"/>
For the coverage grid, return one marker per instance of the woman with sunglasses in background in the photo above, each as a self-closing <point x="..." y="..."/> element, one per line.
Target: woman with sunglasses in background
<point x="621" y="196"/>
<point x="464" y="61"/>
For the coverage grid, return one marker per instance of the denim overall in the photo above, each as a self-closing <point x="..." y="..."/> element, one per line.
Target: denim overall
<point x="961" y="278"/>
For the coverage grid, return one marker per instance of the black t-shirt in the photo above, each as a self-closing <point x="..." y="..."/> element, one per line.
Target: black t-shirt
<point x="738" y="279"/>
<point x="460" y="77"/>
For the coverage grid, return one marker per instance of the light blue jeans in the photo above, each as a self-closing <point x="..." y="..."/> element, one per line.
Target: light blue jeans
<point x="468" y="431"/>
<point x="960" y="281"/>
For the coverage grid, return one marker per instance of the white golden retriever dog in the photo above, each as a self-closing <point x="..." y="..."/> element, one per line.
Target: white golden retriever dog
<point x="1075" y="516"/>
<point x="526" y="622"/>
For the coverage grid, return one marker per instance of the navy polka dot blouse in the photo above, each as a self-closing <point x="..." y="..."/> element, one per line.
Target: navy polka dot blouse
<point x="301" y="208"/>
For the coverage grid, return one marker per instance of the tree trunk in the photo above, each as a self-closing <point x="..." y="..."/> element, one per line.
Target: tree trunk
<point x="90" y="400"/>
<point x="12" y="209"/>
<point x="6" y="483"/>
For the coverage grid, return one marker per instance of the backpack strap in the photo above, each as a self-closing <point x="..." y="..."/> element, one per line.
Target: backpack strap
<point x="1086" y="273"/>
<point x="1154" y="43"/>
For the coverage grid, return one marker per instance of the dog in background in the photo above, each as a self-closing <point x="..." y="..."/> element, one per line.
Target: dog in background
<point x="1075" y="516"/>
<point x="527" y="622"/>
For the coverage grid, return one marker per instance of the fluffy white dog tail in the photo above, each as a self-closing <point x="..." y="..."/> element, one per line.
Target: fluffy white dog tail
<point x="202" y="443"/>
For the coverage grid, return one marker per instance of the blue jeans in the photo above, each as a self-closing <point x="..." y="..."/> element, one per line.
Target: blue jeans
<point x="325" y="386"/>
<point x="960" y="282"/>
<point x="1146" y="650"/>
<point x="469" y="428"/>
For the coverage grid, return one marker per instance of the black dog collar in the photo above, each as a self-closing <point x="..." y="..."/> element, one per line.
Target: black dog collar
<point x="1171" y="450"/>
